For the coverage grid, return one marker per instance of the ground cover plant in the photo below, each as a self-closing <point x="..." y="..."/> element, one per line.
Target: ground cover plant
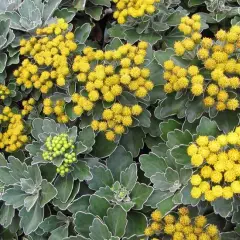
<point x="119" y="119"/>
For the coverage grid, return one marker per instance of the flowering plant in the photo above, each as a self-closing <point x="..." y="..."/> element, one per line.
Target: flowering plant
<point x="119" y="119"/>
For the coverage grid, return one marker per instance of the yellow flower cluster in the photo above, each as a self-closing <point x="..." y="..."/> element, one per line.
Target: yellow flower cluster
<point x="27" y="106"/>
<point x="189" y="26"/>
<point x="217" y="58"/>
<point x="82" y="104"/>
<point x="104" y="80"/>
<point x="48" y="53"/>
<point x="223" y="67"/>
<point x="116" y="120"/>
<point x="13" y="138"/>
<point x="4" y="92"/>
<point x="57" y="108"/>
<point x="181" y="227"/>
<point x="179" y="78"/>
<point x="133" y="8"/>
<point x="218" y="162"/>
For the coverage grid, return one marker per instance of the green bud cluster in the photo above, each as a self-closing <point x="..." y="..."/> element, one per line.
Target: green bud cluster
<point x="57" y="146"/>
<point x="69" y="158"/>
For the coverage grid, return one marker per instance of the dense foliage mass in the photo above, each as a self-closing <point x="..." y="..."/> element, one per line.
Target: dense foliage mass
<point x="119" y="119"/>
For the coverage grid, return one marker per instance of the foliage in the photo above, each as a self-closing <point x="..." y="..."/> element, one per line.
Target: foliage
<point x="119" y="124"/>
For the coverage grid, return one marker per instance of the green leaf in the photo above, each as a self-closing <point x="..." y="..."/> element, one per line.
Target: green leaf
<point x="83" y="222"/>
<point x="140" y="194"/>
<point x="64" y="186"/>
<point x="66" y="13"/>
<point x="133" y="140"/>
<point x="3" y="161"/>
<point x="69" y="111"/>
<point x="115" y="44"/>
<point x="48" y="192"/>
<point x="166" y="205"/>
<point x="195" y="109"/>
<point x="98" y="206"/>
<point x="185" y="175"/>
<point x="168" y="181"/>
<point x="162" y="56"/>
<point x="116" y="220"/>
<point x="151" y="164"/>
<point x="178" y="137"/>
<point x="3" y="61"/>
<point x="227" y="120"/>
<point x="80" y="204"/>
<point x="27" y="185"/>
<point x="116" y="31"/>
<point x="169" y="126"/>
<point x="99" y="230"/>
<point x="14" y="196"/>
<point x="101" y="177"/>
<point x="171" y="106"/>
<point x="129" y="177"/>
<point x="181" y="156"/>
<point x="50" y="223"/>
<point x="30" y="201"/>
<point x="32" y="219"/>
<point x="207" y="127"/>
<point x="157" y="197"/>
<point x="102" y="147"/>
<point x="87" y="137"/>
<point x="94" y="11"/>
<point x="229" y="236"/>
<point x="223" y="207"/>
<point x="49" y="9"/>
<point x="117" y="166"/>
<point x="81" y="171"/>
<point x="59" y="233"/>
<point x="82" y="33"/>
<point x="127" y="98"/>
<point x="6" y="215"/>
<point x="79" y="4"/>
<point x="131" y="36"/>
<point x="64" y="206"/>
<point x="137" y="222"/>
<point x="6" y="177"/>
<point x="174" y="18"/>
<point x="105" y="192"/>
<point x="106" y="3"/>
<point x="186" y="196"/>
<point x="192" y="3"/>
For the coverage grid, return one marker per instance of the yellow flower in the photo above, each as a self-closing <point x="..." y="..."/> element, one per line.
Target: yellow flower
<point x="192" y="150"/>
<point x="214" y="146"/>
<point x="232" y="104"/>
<point x="196" y="180"/>
<point x="217" y="191"/>
<point x="202" y="141"/>
<point x="156" y="216"/>
<point x="110" y="136"/>
<point x="206" y="172"/>
<point x="197" y="160"/>
<point x="169" y="219"/>
<point x="235" y="185"/>
<point x="196" y="192"/>
<point x="193" y="70"/>
<point x="204" y="186"/>
<point x="148" y="231"/>
<point x="197" y="89"/>
<point x="203" y="53"/>
<point x="169" y="229"/>
<point x="216" y="177"/>
<point x="227" y="193"/>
